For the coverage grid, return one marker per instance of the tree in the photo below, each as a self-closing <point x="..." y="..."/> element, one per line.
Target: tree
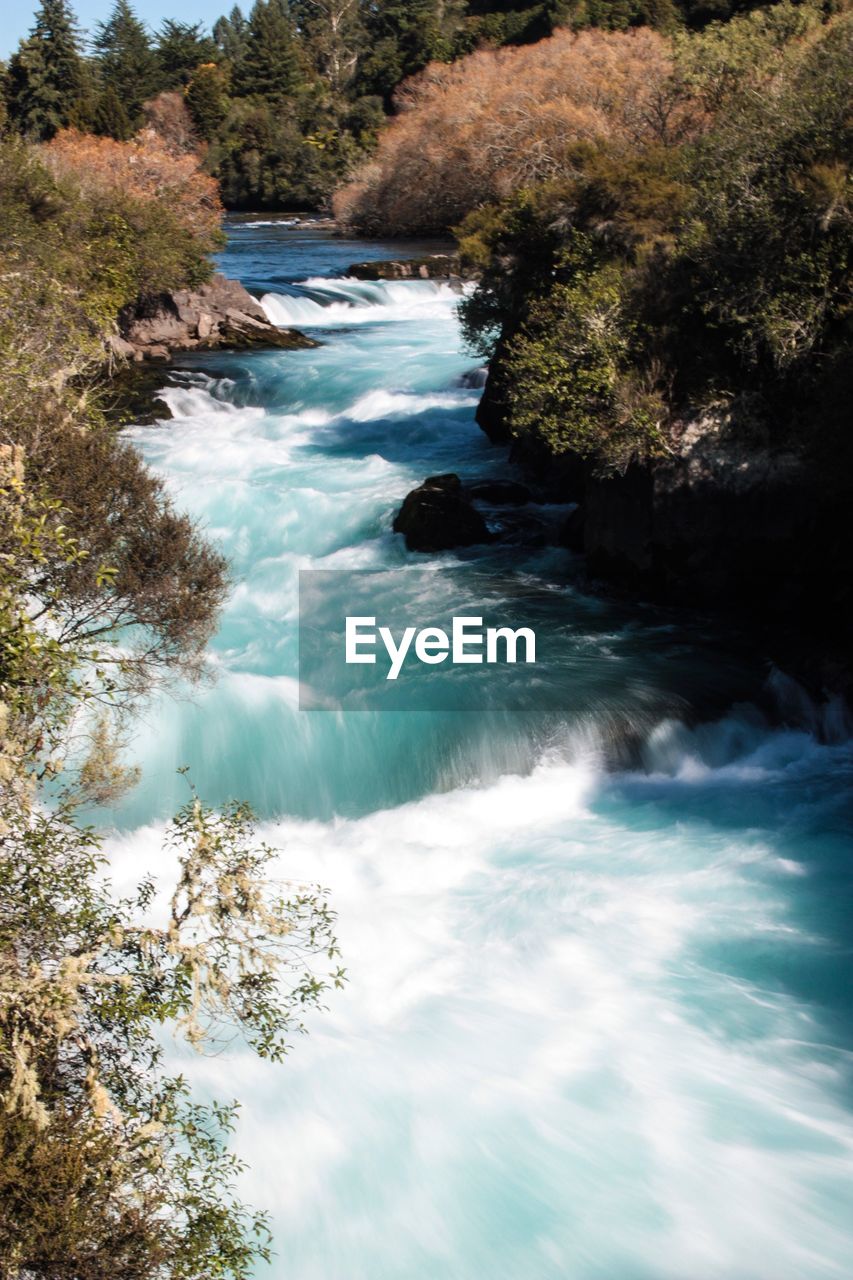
<point x="48" y="83"/>
<point x="106" y="1162"/>
<point x="127" y="61"/>
<point x="335" y="35"/>
<point x="108" y="1167"/>
<point x="402" y="37"/>
<point x="464" y="135"/>
<point x="230" y="34"/>
<point x="271" y="67"/>
<point x="181" y="47"/>
<point x="111" y="119"/>
<point x="207" y="99"/>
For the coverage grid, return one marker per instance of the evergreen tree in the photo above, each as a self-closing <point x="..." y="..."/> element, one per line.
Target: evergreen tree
<point x="271" y="67"/>
<point x="48" y="83"/>
<point x="128" y="63"/>
<point x="207" y="100"/>
<point x="181" y="47"/>
<point x="231" y="34"/>
<point x="402" y="37"/>
<point x="111" y="120"/>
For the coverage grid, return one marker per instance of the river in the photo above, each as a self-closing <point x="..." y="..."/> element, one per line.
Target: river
<point x="599" y="1018"/>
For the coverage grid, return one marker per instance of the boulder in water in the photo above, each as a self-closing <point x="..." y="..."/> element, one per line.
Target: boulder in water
<point x="437" y="516"/>
<point x="433" y="266"/>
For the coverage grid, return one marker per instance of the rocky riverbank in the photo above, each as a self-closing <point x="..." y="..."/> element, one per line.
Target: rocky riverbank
<point x="719" y="522"/>
<point x="218" y="315"/>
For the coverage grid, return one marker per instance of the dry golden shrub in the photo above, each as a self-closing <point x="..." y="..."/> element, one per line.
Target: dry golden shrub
<point x="476" y="130"/>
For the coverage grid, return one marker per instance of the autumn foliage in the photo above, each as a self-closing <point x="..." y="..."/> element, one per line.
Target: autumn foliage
<point x="145" y="169"/>
<point x="479" y="129"/>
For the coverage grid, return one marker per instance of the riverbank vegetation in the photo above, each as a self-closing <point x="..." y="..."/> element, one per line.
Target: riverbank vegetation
<point x="287" y="99"/>
<point x="108" y="1164"/>
<point x="659" y="223"/>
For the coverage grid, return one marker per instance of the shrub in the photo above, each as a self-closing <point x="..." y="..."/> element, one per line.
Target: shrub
<point x="502" y="120"/>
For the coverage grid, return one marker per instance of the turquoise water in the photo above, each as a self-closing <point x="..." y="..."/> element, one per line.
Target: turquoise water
<point x="599" y="1019"/>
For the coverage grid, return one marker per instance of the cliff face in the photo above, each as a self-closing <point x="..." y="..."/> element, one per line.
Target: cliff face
<point x="716" y="522"/>
<point x="219" y="314"/>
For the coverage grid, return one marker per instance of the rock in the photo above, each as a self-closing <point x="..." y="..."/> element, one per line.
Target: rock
<point x="723" y="523"/>
<point x="493" y="410"/>
<point x="131" y="393"/>
<point x="220" y="314"/>
<point x="437" y="517"/>
<point x="475" y="379"/>
<point x="500" y="493"/>
<point x="433" y="266"/>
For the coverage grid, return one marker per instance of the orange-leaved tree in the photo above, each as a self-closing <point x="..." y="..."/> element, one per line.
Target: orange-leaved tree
<point x="498" y="120"/>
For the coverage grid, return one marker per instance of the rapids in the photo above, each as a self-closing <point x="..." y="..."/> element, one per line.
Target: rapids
<point x="599" y="1023"/>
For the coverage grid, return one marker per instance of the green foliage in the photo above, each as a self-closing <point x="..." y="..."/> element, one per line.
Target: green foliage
<point x="127" y="62"/>
<point x="767" y="257"/>
<point x="569" y="368"/>
<point x="320" y="75"/>
<point x="271" y="64"/>
<point x="230" y="34"/>
<point x="86" y="527"/>
<point x="108" y="1166"/>
<point x="48" y="87"/>
<point x="110" y="119"/>
<point x="181" y="48"/>
<point x="104" y="1157"/>
<point x="207" y="100"/>
<point x="720" y="267"/>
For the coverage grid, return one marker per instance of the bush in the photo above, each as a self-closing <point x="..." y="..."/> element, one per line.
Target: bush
<point x="719" y="263"/>
<point x="500" y="121"/>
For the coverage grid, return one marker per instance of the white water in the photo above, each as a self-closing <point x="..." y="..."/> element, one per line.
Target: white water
<point x="598" y="1021"/>
<point x="328" y="304"/>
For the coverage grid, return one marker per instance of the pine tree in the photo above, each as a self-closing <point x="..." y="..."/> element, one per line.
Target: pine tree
<point x="111" y="120"/>
<point x="271" y="67"/>
<point x="231" y="34"/>
<point x="181" y="47"/>
<point x="128" y="62"/>
<point x="207" y="100"/>
<point x="403" y="36"/>
<point x="48" y="82"/>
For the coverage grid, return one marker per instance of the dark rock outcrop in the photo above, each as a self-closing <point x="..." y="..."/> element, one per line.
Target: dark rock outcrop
<point x="717" y="521"/>
<point x="433" y="266"/>
<point x="221" y="314"/>
<point x="723" y="520"/>
<point x="492" y="411"/>
<point x="437" y="516"/>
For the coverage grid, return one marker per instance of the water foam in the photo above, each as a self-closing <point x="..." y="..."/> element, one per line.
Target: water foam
<point x="332" y="303"/>
<point x="535" y="1071"/>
